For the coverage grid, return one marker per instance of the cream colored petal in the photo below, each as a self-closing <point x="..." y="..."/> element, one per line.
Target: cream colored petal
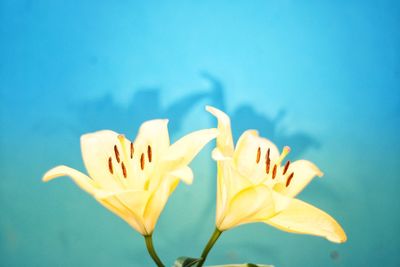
<point x="304" y="171"/>
<point x="97" y="148"/>
<point x="134" y="200"/>
<point x="184" y="174"/>
<point x="230" y="182"/>
<point x="129" y="205"/>
<point x="182" y="152"/>
<point x="250" y="155"/>
<point x="252" y="204"/>
<point x="224" y="140"/>
<point x="124" y="204"/>
<point x="82" y="180"/>
<point x="281" y="202"/>
<point x="157" y="201"/>
<point x="304" y="218"/>
<point x="217" y="155"/>
<point x="153" y="133"/>
<point x="132" y="219"/>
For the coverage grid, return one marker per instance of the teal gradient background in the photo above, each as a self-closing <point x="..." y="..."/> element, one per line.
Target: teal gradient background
<point x="322" y="78"/>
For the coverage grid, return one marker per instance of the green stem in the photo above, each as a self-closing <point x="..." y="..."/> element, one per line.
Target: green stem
<point x="150" y="248"/>
<point x="209" y="246"/>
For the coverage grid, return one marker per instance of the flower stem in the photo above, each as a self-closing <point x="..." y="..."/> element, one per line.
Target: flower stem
<point x="150" y="248"/>
<point x="209" y="246"/>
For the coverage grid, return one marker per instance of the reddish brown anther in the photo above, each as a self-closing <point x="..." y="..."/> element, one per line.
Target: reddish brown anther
<point x="274" y="172"/>
<point x="267" y="161"/>
<point x="132" y="150"/>
<point x="142" y="161"/>
<point x="149" y="153"/>
<point x="258" y="155"/>
<point x="289" y="179"/>
<point x="123" y="169"/>
<point x="110" y="166"/>
<point x="286" y="167"/>
<point x="116" y="153"/>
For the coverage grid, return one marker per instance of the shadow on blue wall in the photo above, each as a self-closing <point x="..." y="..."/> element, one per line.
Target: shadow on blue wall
<point x="146" y="104"/>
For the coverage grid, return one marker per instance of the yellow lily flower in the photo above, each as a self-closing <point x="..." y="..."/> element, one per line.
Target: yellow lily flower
<point x="255" y="186"/>
<point x="135" y="179"/>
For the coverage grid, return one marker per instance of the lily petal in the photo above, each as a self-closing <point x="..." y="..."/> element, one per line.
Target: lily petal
<point x="229" y="183"/>
<point x="248" y="161"/>
<point x="252" y="204"/>
<point x="155" y="134"/>
<point x="128" y="205"/>
<point x="304" y="171"/>
<point x="82" y="180"/>
<point x="185" y="174"/>
<point x="224" y="140"/>
<point x="97" y="148"/>
<point x="182" y="152"/>
<point x="304" y="218"/>
<point x="157" y="201"/>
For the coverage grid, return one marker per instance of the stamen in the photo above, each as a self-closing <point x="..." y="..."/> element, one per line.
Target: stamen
<point x="274" y="172"/>
<point x="268" y="161"/>
<point x="123" y="169"/>
<point x="258" y="155"/>
<point x="284" y="153"/>
<point x="121" y="139"/>
<point x="116" y="153"/>
<point x="289" y="179"/>
<point x="149" y="154"/>
<point x="286" y="167"/>
<point x="132" y="150"/>
<point x="142" y="161"/>
<point x="110" y="166"/>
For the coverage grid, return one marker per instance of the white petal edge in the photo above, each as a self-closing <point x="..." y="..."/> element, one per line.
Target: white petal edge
<point x="251" y="204"/>
<point x="157" y="202"/>
<point x="96" y="149"/>
<point x="304" y="172"/>
<point x="184" y="174"/>
<point x="224" y="139"/>
<point x="82" y="180"/>
<point x="183" y="151"/>
<point x="154" y="133"/>
<point x="245" y="155"/>
<point x="304" y="218"/>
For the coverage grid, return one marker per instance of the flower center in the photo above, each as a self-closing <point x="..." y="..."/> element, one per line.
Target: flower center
<point x="277" y="164"/>
<point x="120" y="160"/>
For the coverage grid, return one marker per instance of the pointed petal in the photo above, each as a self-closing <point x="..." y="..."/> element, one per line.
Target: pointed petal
<point x="246" y="151"/>
<point x="132" y="219"/>
<point x="184" y="174"/>
<point x="128" y="205"/>
<point x="252" y="204"/>
<point x="229" y="183"/>
<point x="97" y="148"/>
<point x="217" y="155"/>
<point x="224" y="140"/>
<point x="281" y="202"/>
<point x="183" y="151"/>
<point x="304" y="171"/>
<point x="304" y="218"/>
<point x="153" y="133"/>
<point x="134" y="200"/>
<point x="82" y="180"/>
<point x="157" y="201"/>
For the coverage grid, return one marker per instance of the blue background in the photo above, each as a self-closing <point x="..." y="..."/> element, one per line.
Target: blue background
<point x="319" y="76"/>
